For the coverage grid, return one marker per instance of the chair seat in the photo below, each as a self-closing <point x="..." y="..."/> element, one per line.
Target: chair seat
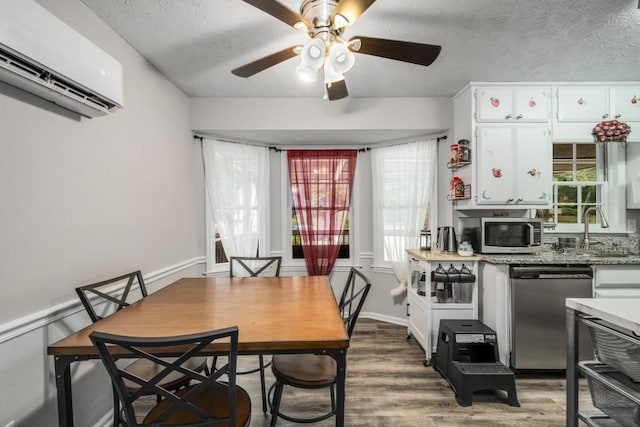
<point x="213" y="399"/>
<point x="308" y="370"/>
<point x="146" y="370"/>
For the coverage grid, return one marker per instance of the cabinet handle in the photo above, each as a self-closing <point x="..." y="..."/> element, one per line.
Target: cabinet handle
<point x="510" y="200"/>
<point x="604" y="116"/>
<point x="408" y="314"/>
<point x="519" y="116"/>
<point x="519" y="200"/>
<point x="617" y="116"/>
<point x="508" y="116"/>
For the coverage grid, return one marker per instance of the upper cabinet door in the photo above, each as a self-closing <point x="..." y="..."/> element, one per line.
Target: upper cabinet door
<point x="625" y="103"/>
<point x="532" y="104"/>
<point x="582" y="103"/>
<point x="534" y="164"/>
<point x="512" y="104"/>
<point x="495" y="169"/>
<point x="494" y="104"/>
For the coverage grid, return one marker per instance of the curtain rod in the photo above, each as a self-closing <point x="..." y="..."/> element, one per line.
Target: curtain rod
<point x="201" y="138"/>
<point x="270" y="147"/>
<point x="279" y="149"/>
<point x="409" y="141"/>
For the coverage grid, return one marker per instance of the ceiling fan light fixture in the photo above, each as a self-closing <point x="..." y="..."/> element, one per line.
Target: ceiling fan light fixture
<point x="340" y="21"/>
<point x="312" y="55"/>
<point x="306" y="74"/>
<point x="340" y="58"/>
<point x="331" y="75"/>
<point x="299" y="25"/>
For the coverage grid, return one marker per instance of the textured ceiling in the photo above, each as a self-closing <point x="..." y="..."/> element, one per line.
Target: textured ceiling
<point x="196" y="44"/>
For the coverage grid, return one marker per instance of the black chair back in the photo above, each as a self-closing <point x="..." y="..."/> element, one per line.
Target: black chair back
<point x="193" y="403"/>
<point x="102" y="292"/>
<point x="353" y="296"/>
<point x="254" y="266"/>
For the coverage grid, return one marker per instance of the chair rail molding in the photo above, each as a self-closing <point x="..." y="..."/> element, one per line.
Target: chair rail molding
<point x="40" y="319"/>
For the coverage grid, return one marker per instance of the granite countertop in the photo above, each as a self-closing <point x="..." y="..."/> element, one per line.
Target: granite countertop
<point x="553" y="257"/>
<point x="546" y="257"/>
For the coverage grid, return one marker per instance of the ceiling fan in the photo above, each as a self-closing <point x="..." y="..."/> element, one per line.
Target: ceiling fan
<point x="325" y="21"/>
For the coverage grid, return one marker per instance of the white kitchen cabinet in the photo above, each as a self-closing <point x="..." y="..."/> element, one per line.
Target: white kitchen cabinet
<point x="632" y="171"/>
<point x="579" y="108"/>
<point x="495" y="305"/>
<point x="596" y="103"/>
<point x="513" y="104"/>
<point x="616" y="281"/>
<point x="513" y="165"/>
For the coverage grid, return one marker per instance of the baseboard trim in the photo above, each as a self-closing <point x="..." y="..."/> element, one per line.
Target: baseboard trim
<point x="24" y="325"/>
<point x="384" y="318"/>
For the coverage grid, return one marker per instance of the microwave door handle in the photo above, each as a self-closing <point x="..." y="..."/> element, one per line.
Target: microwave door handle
<point x="531" y="234"/>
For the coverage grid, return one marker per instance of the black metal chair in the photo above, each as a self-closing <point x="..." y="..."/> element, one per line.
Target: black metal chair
<point x="256" y="267"/>
<point x="312" y="371"/>
<point x="109" y="296"/>
<point x="206" y="401"/>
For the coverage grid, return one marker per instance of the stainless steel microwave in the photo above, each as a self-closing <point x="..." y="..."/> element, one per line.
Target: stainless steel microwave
<point x="503" y="235"/>
<point x="510" y="235"/>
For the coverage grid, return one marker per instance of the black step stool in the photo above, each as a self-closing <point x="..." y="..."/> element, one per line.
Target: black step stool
<point x="467" y="357"/>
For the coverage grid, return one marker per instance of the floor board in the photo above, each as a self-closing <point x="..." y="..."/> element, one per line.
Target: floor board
<point x="388" y="386"/>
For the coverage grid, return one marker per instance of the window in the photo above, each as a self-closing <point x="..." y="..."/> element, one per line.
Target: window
<point x="292" y="240"/>
<point x="237" y="180"/>
<point x="296" y="239"/>
<point x="404" y="189"/>
<point x="321" y="183"/>
<point x="582" y="179"/>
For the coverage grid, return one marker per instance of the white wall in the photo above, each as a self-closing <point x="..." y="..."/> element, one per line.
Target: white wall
<point x="83" y="200"/>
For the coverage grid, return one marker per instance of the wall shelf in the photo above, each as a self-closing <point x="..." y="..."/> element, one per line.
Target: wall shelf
<point x="466" y="196"/>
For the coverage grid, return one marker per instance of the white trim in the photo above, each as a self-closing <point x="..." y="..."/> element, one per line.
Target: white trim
<point x="105" y="421"/>
<point x="366" y="255"/>
<point x="383" y="269"/>
<point x="384" y="318"/>
<point x="40" y="319"/>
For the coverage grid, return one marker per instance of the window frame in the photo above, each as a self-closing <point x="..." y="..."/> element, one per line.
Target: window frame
<point x="287" y="207"/>
<point x="612" y="190"/>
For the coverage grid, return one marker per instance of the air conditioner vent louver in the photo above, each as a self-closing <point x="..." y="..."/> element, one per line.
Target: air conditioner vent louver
<point x="44" y="56"/>
<point x="53" y="82"/>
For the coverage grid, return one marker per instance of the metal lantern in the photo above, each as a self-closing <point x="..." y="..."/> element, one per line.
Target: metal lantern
<point x="425" y="240"/>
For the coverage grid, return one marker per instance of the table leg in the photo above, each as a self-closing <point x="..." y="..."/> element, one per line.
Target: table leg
<point x="340" y="357"/>
<point x="573" y="324"/>
<point x="63" y="387"/>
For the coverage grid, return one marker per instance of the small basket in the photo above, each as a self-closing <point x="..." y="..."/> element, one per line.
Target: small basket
<point x="613" y="393"/>
<point x="616" y="349"/>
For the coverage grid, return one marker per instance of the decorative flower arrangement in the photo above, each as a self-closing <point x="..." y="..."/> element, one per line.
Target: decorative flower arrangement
<point x="611" y="130"/>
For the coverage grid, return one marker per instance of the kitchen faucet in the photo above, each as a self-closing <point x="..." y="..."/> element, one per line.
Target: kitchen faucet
<point x="586" y="242"/>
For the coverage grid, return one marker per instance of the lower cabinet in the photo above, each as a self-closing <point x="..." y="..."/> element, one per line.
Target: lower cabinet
<point x="495" y="305"/>
<point x="616" y="281"/>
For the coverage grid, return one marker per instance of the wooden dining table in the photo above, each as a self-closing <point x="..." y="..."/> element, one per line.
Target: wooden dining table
<point x="273" y="315"/>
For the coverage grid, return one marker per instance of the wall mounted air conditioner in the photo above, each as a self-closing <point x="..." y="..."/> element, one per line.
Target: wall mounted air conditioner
<point x="42" y="55"/>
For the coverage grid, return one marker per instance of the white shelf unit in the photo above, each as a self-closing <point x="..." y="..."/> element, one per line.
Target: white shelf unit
<point x="425" y="312"/>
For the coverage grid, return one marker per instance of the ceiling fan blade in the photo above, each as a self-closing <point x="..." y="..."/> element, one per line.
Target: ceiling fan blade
<point x="261" y="64"/>
<point x="350" y="9"/>
<point x="279" y="11"/>
<point x="415" y="53"/>
<point x="336" y="90"/>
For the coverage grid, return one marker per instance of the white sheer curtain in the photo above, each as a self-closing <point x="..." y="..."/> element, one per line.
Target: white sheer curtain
<point x="237" y="185"/>
<point x="404" y="189"/>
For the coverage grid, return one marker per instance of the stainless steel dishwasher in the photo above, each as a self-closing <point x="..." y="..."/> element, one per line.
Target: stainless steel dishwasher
<point x="538" y="314"/>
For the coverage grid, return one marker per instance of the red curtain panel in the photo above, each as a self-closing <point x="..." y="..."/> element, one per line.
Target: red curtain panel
<point x="321" y="183"/>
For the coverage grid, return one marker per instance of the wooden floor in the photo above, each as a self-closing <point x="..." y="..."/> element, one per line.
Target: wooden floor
<point x="387" y="386"/>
